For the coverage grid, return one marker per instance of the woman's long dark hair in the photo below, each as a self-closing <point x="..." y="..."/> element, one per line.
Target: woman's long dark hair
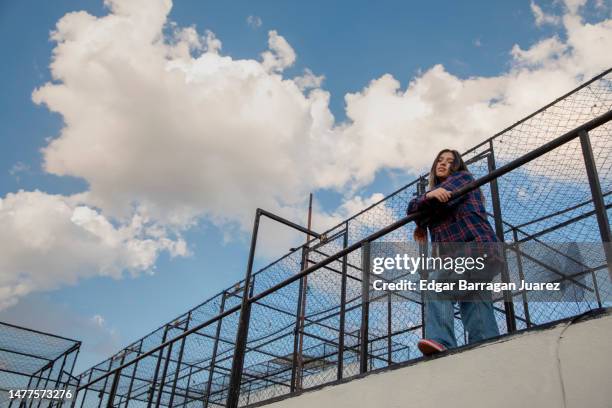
<point x="458" y="165"/>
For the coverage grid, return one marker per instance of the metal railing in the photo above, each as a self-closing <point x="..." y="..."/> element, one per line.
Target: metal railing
<point x="548" y="176"/>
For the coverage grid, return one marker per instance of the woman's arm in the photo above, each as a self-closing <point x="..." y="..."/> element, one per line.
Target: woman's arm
<point x="417" y="204"/>
<point x="453" y="183"/>
<point x="437" y="196"/>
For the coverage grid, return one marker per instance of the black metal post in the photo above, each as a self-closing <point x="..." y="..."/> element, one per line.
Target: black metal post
<point x="389" y="329"/>
<point x="157" y="367"/>
<point x="180" y="360"/>
<point x="519" y="263"/>
<point x="499" y="231"/>
<point x="113" y="390"/>
<point x="115" y="383"/>
<point x="129" y="392"/>
<point x="365" y="294"/>
<point x="342" y="306"/>
<point x="103" y="391"/>
<point x="164" y="373"/>
<point x="213" y="360"/>
<point x="302" y="319"/>
<point x="86" y="389"/>
<point x="46" y="381"/>
<point x="243" y="324"/>
<point x="30" y="382"/>
<point x="187" y="387"/>
<point x="371" y="360"/>
<point x="598" y="201"/>
<point x="38" y="378"/>
<point x="248" y="394"/>
<point x="61" y="371"/>
<point x="78" y="348"/>
<point x="297" y="331"/>
<point x="423" y="249"/>
<point x="39" y="375"/>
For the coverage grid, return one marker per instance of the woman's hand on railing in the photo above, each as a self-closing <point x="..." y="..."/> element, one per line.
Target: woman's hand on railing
<point x="440" y="194"/>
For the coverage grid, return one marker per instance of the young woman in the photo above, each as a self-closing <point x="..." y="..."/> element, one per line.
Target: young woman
<point x="463" y="219"/>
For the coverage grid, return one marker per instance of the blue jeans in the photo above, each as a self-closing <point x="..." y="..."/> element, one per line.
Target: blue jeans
<point x="476" y="315"/>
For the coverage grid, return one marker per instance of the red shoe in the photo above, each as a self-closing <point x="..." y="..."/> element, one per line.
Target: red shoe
<point x="429" y="347"/>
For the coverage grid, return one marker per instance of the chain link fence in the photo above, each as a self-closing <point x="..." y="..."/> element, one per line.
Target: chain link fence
<point x="322" y="327"/>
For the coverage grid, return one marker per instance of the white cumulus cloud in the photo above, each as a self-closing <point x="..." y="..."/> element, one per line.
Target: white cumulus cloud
<point x="280" y="55"/>
<point x="542" y="18"/>
<point x="309" y="80"/>
<point x="50" y="241"/>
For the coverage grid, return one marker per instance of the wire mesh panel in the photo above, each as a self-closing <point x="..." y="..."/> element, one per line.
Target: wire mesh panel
<point x="308" y="330"/>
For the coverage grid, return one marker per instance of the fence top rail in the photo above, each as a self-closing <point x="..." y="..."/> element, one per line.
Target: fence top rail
<point x="547" y="147"/>
<point x="39" y="332"/>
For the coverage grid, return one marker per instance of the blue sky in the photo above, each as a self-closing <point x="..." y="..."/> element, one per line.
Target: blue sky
<point x="483" y="51"/>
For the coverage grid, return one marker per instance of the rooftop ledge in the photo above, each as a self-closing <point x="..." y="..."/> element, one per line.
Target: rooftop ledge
<point x="566" y="364"/>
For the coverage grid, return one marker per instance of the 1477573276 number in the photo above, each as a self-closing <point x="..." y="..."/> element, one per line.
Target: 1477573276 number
<point x="40" y="394"/>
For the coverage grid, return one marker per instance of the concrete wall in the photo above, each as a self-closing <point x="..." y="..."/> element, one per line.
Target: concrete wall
<point x="569" y="365"/>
